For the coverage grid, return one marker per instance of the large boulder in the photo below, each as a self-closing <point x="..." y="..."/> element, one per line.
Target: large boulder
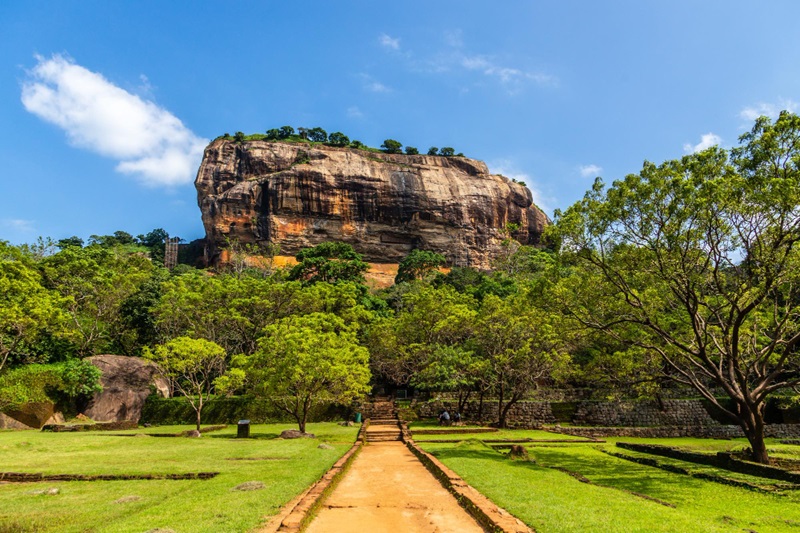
<point x="6" y="422"/>
<point x="126" y="384"/>
<point x="32" y="415"/>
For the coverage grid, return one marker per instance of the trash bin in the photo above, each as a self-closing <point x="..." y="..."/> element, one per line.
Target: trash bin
<point x="243" y="430"/>
<point x="358" y="418"/>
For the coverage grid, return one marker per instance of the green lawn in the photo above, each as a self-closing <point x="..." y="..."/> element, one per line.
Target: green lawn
<point x="551" y="500"/>
<point x="285" y="467"/>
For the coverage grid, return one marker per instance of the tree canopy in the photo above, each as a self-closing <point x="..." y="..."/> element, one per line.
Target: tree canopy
<point x="696" y="260"/>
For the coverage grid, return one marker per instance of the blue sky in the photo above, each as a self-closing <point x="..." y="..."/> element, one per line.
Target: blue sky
<point x="105" y="106"/>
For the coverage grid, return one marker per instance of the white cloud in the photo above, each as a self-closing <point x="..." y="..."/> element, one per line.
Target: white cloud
<point x="506" y="75"/>
<point x="508" y="169"/>
<point x="767" y="109"/>
<point x="19" y="224"/>
<point x="354" y="112"/>
<point x="150" y="143"/>
<point x="706" y="141"/>
<point x="389" y="42"/>
<point x="454" y="38"/>
<point x="590" y="171"/>
<point x="373" y="85"/>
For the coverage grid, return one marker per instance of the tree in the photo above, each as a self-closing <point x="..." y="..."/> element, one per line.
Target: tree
<point x="358" y="145"/>
<point x="410" y="150"/>
<point x="70" y="241"/>
<point x="317" y="135"/>
<point x="696" y="260"/>
<point x="390" y="146"/>
<point x="521" y="347"/>
<point x="94" y="282"/>
<point x="427" y="320"/>
<point x="285" y="132"/>
<point x="238" y="137"/>
<point x="447" y="151"/>
<point x="191" y="365"/>
<point x="273" y="134"/>
<point x="418" y="264"/>
<point x="303" y="360"/>
<point x="452" y="369"/>
<point x="332" y="262"/>
<point x="27" y="309"/>
<point x="303" y="133"/>
<point x="337" y="138"/>
<point x="433" y="151"/>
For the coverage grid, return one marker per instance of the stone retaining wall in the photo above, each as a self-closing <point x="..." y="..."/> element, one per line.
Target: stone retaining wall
<point x="521" y="414"/>
<point x="778" y="431"/>
<point x="643" y="414"/>
<point x="668" y="418"/>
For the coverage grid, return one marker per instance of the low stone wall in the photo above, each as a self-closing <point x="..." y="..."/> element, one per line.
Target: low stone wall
<point x="521" y="414"/>
<point x="778" y="431"/>
<point x="722" y="460"/>
<point x="643" y="414"/>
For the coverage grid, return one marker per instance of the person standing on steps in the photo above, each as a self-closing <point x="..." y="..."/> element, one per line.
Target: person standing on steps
<point x="444" y="418"/>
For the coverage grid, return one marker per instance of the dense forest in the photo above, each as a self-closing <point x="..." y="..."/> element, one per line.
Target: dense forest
<point x="685" y="273"/>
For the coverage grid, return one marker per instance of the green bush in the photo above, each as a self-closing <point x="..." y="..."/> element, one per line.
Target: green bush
<point x="229" y="410"/>
<point x="48" y="383"/>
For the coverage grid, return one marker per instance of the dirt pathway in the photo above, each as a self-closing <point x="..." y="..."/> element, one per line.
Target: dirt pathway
<point x="388" y="490"/>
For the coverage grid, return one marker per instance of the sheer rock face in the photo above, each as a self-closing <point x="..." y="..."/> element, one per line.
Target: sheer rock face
<point x="384" y="205"/>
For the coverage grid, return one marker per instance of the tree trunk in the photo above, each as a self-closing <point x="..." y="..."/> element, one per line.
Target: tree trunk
<point x="197" y="412"/>
<point x="501" y="413"/>
<point x="509" y="404"/>
<point x="751" y="419"/>
<point x="480" y="406"/>
<point x="306" y="405"/>
<point x="463" y="397"/>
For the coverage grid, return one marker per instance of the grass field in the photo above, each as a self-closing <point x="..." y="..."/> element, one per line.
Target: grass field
<point x="286" y="467"/>
<point x="622" y="496"/>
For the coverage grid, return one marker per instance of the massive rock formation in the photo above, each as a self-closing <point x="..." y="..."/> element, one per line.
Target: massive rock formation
<point x="385" y="205"/>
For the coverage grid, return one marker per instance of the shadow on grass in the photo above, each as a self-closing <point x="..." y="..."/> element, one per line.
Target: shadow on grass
<point x="616" y="473"/>
<point x="253" y="436"/>
<point x="601" y="470"/>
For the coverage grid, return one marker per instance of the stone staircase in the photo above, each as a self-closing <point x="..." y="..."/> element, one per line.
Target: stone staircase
<point x="383" y="422"/>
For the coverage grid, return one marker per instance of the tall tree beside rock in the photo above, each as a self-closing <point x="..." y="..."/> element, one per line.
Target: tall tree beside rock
<point x="696" y="260"/>
<point x="418" y="264"/>
<point x="331" y="262"/>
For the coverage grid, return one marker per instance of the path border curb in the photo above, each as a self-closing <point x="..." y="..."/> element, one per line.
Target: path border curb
<point x="490" y="516"/>
<point x="293" y="516"/>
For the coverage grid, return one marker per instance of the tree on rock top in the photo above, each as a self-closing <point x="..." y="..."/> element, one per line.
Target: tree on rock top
<point x="331" y="262"/>
<point x="390" y="146"/>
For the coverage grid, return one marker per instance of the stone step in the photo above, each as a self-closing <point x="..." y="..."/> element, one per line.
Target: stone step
<point x="394" y="435"/>
<point x="383" y="421"/>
